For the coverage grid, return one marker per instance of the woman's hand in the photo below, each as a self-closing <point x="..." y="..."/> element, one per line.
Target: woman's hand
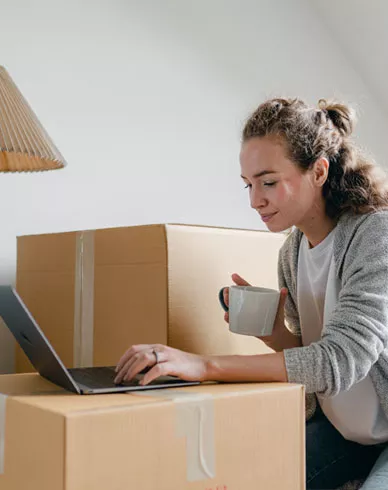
<point x="162" y="361"/>
<point x="281" y="338"/>
<point x="239" y="281"/>
<point x="165" y="361"/>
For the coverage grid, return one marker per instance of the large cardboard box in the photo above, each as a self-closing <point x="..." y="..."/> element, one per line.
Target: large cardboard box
<point x="95" y="293"/>
<point x="210" y="437"/>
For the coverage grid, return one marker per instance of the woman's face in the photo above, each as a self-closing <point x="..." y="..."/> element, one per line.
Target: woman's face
<point x="279" y="191"/>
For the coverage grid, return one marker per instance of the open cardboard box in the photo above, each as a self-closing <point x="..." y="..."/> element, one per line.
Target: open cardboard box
<point x="95" y="293"/>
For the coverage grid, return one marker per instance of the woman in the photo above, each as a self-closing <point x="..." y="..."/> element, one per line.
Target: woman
<point x="302" y="171"/>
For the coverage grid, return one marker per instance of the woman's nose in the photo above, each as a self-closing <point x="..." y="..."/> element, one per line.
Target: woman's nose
<point x="257" y="199"/>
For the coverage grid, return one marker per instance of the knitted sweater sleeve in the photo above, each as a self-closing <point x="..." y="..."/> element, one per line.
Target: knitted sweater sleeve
<point x="357" y="331"/>
<point x="287" y="279"/>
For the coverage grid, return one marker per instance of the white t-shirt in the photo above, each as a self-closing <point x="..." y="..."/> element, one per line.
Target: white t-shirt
<point x="355" y="413"/>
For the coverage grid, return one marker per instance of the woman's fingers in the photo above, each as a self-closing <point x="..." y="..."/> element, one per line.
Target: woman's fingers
<point x="123" y="370"/>
<point x="147" y="359"/>
<point x="136" y="358"/>
<point x="167" y="361"/>
<point x="226" y="296"/>
<point x="239" y="281"/>
<point x="133" y="350"/>
<point x="160" y="369"/>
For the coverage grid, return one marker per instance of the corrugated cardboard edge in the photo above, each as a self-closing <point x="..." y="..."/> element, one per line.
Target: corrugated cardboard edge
<point x="194" y="420"/>
<point x="261" y="230"/>
<point x="84" y="300"/>
<point x="3" y="404"/>
<point x="216" y="227"/>
<point x="303" y="431"/>
<point x="167" y="267"/>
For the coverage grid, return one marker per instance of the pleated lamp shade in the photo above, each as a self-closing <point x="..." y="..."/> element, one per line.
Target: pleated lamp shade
<point x="24" y="144"/>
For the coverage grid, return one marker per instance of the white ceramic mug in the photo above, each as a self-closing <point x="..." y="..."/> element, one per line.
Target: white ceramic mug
<point x="252" y="310"/>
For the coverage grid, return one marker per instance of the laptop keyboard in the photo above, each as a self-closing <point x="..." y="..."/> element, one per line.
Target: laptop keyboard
<point x="100" y="377"/>
<point x="103" y="377"/>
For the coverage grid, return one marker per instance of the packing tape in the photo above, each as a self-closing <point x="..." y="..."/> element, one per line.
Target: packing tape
<point x="3" y="403"/>
<point x="84" y="300"/>
<point x="195" y="422"/>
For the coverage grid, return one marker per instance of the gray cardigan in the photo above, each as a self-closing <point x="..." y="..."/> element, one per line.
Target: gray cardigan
<point x="354" y="342"/>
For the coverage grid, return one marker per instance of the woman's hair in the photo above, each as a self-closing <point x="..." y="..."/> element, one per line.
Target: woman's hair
<point x="354" y="183"/>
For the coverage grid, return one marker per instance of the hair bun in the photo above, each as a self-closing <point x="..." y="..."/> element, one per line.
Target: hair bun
<point x="342" y="116"/>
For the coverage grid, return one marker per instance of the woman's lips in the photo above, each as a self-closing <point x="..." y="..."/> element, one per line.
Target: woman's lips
<point x="267" y="217"/>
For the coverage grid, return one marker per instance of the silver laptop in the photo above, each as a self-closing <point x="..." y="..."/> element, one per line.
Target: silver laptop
<point x="84" y="381"/>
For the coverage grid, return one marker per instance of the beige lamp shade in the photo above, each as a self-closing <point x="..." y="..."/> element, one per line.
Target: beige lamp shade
<point x="24" y="144"/>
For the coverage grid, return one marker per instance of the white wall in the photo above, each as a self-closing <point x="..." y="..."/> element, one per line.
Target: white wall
<point x="361" y="29"/>
<point x="146" y="100"/>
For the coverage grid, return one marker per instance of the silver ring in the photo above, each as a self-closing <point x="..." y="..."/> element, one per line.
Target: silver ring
<point x="156" y="356"/>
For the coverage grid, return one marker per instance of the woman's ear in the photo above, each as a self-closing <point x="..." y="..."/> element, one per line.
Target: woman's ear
<point x="321" y="171"/>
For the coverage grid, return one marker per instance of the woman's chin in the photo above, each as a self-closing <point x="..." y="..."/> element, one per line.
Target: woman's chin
<point x="277" y="227"/>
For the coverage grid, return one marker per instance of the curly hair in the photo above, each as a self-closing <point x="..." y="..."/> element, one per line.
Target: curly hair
<point x="354" y="183"/>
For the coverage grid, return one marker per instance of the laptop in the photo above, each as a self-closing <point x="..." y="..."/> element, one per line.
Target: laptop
<point x="84" y="381"/>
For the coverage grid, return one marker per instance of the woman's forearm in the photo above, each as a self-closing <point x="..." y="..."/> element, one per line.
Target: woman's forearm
<point x="287" y="341"/>
<point x="263" y="367"/>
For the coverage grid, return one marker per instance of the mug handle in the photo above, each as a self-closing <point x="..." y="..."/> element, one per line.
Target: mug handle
<point x="221" y="299"/>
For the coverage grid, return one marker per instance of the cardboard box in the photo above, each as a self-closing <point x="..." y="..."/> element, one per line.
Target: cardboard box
<point x="210" y="437"/>
<point x="96" y="293"/>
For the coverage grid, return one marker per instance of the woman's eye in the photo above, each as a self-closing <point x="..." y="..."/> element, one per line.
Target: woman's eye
<point x="247" y="186"/>
<point x="269" y="184"/>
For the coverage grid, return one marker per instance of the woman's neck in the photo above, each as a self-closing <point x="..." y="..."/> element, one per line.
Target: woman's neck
<point x="317" y="228"/>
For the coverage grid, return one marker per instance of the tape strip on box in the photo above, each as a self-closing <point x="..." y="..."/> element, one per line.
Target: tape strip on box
<point x="84" y="300"/>
<point x="194" y="421"/>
